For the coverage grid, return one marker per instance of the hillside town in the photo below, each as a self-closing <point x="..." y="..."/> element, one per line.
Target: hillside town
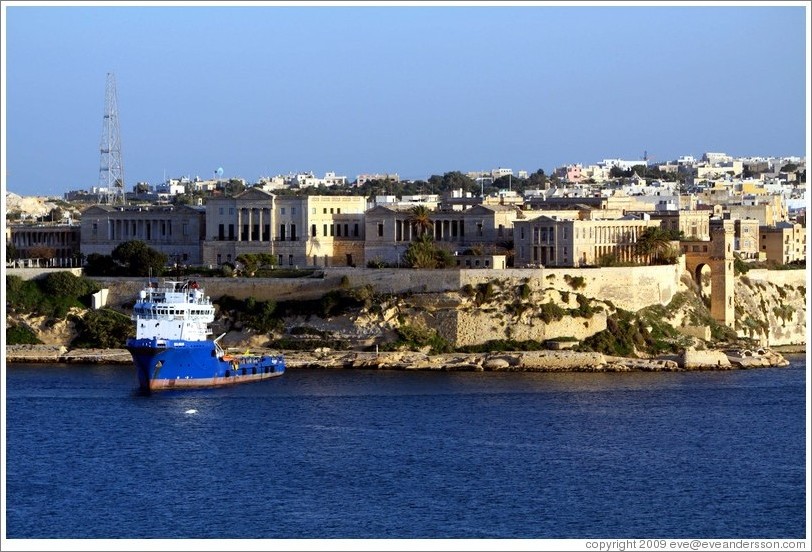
<point x="578" y="216"/>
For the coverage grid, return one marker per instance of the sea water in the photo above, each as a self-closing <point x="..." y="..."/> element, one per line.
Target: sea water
<point x="320" y="454"/>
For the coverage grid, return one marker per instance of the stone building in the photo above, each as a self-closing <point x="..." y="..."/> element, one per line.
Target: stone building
<point x="299" y="231"/>
<point x="174" y="230"/>
<point x="694" y="224"/>
<point x="783" y="243"/>
<point x="52" y="245"/>
<point x="745" y="239"/>
<point x="390" y="229"/>
<point x="555" y="242"/>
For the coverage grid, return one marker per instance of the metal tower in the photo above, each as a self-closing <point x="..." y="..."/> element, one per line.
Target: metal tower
<point x="111" y="169"/>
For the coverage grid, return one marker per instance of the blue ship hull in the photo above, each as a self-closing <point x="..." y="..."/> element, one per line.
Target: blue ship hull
<point x="171" y="364"/>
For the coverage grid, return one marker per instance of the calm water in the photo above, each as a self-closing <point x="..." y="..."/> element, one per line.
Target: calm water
<point x="363" y="454"/>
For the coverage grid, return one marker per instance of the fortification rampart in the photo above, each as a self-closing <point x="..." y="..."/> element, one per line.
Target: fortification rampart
<point x="629" y="288"/>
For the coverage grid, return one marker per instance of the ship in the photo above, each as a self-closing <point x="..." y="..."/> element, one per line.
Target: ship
<point x="173" y="348"/>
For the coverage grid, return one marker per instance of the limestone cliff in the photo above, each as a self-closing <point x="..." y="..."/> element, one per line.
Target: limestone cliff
<point x="770" y="306"/>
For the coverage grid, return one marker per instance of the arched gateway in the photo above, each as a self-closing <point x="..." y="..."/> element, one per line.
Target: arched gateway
<point x="717" y="255"/>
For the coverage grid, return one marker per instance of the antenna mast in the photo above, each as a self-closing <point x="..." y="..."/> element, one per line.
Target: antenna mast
<point x="111" y="168"/>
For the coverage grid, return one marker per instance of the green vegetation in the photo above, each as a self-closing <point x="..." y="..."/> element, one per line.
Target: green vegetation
<point x="53" y="296"/>
<point x="655" y="244"/>
<point x="624" y="335"/>
<point x="257" y="315"/>
<point x="131" y="258"/>
<point x="575" y="282"/>
<point x="104" y="329"/>
<point x="424" y="253"/>
<point x="21" y="335"/>
<point x="252" y="263"/>
<point x="550" y="312"/>
<point x="412" y="337"/>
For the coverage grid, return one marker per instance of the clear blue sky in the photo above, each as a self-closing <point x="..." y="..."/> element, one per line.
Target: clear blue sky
<point x="264" y="90"/>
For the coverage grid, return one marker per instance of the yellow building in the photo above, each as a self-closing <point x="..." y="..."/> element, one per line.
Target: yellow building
<point x="550" y="241"/>
<point x="298" y="231"/>
<point x="783" y="243"/>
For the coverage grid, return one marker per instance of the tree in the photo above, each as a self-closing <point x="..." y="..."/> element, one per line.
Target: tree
<point x="67" y="284"/>
<point x="616" y="172"/>
<point x="138" y="259"/>
<point x="655" y="244"/>
<point x="101" y="265"/>
<point x="537" y="180"/>
<point x="41" y="252"/>
<point x="11" y="252"/>
<point x="420" y="218"/>
<point x="56" y="214"/>
<point x="424" y="253"/>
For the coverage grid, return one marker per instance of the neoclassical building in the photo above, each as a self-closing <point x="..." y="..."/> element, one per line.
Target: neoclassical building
<point x="552" y="241"/>
<point x="174" y="230"/>
<point x="299" y="231"/>
<point x="390" y="229"/>
<point x="55" y="245"/>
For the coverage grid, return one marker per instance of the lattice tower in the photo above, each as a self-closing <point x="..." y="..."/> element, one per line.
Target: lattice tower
<point x="111" y="168"/>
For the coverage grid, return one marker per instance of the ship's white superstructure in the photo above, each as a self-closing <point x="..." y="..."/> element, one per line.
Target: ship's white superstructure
<point x="173" y="310"/>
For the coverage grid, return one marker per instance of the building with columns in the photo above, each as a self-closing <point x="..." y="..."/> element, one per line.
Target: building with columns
<point x="53" y="245"/>
<point x="174" y="230"/>
<point x="390" y="229"/>
<point x="551" y="241"/>
<point x="298" y="230"/>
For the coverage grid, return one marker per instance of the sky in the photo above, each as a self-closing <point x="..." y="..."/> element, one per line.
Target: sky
<point x="421" y="89"/>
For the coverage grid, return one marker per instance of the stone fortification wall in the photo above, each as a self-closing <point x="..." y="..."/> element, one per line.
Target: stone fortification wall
<point x="34" y="273"/>
<point x="629" y="288"/>
<point x="780" y="277"/>
<point x="475" y="327"/>
<point x="770" y="306"/>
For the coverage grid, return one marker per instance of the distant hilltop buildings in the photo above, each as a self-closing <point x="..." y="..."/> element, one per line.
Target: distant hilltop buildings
<point x="576" y="216"/>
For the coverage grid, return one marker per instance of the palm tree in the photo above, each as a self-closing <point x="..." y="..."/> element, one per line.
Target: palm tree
<point x="420" y="218"/>
<point x="655" y="244"/>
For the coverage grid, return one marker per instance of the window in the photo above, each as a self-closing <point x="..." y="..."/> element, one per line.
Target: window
<point x="231" y="210"/>
<point x="312" y="230"/>
<point x="380" y="229"/>
<point x="293" y="210"/>
<point x="290" y="260"/>
<point x="221" y="210"/>
<point x="283" y="210"/>
<point x="185" y="228"/>
<point x="355" y="230"/>
<point x="325" y="230"/>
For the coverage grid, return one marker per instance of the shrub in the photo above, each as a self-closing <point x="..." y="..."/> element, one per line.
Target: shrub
<point x="21" y="335"/>
<point x="104" y="328"/>
<point x="575" y="282"/>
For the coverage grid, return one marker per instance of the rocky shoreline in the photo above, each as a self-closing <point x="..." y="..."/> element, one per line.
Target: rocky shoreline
<point x="520" y="361"/>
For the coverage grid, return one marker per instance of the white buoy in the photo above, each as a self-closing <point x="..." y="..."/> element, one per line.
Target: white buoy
<point x="191" y="411"/>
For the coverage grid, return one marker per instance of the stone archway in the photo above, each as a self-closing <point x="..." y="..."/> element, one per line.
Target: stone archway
<point x="717" y="255"/>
